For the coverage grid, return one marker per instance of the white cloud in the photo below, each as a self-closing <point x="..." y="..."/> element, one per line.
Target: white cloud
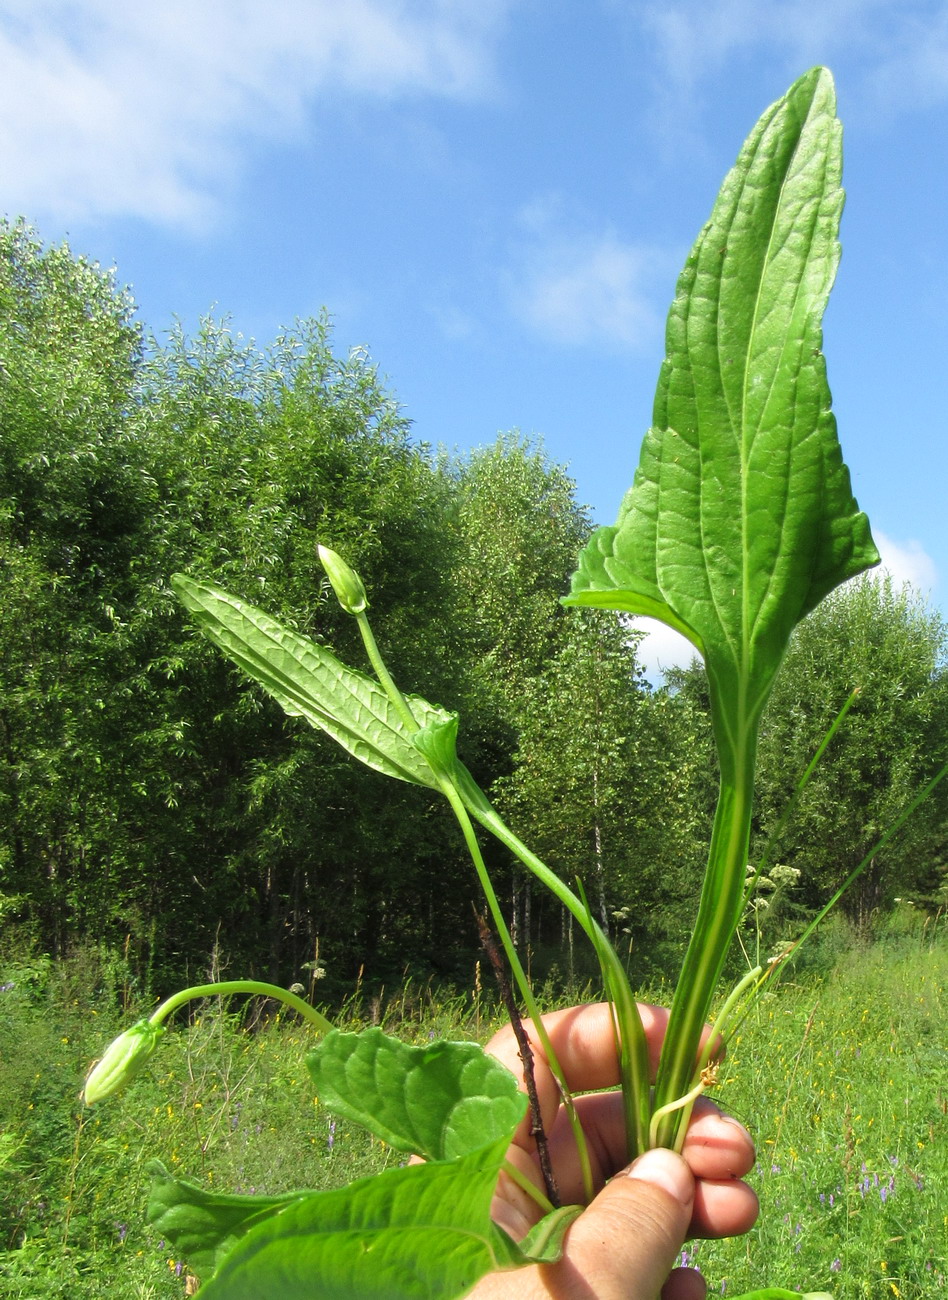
<point x="695" y="39"/>
<point x="661" y="648"/>
<point x="116" y="107"/>
<point x="575" y="286"/>
<point x="906" y="562"/>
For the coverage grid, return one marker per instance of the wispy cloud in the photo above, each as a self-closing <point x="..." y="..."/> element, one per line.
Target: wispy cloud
<point x="580" y="286"/>
<point x="113" y="107"/>
<point x="897" y="54"/>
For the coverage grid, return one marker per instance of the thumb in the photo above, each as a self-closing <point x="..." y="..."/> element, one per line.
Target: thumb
<point x="624" y="1246"/>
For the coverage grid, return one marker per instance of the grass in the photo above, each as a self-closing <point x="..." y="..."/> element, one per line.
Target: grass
<point x="842" y="1076"/>
<point x="844" y="1081"/>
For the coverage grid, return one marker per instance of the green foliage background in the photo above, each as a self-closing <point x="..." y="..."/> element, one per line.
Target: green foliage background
<point x="152" y="799"/>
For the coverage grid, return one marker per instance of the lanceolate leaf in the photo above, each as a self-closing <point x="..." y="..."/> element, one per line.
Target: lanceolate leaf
<point x="741" y="517"/>
<point x="778" y="1293"/>
<point x="406" y="1234"/>
<point x="438" y="1101"/>
<point x="308" y="681"/>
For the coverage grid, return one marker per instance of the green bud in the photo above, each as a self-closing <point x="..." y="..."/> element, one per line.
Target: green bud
<point x="346" y="583"/>
<point x="123" y="1060"/>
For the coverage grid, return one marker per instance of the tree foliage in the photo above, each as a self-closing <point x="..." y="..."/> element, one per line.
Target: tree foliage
<point x="149" y="795"/>
<point x="151" y="798"/>
<point x="885" y="640"/>
<point x="604" y="786"/>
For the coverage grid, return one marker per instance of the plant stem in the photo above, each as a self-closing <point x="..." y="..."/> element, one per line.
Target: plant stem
<point x="717" y="1038"/>
<point x="632" y="1047"/>
<point x="523" y="984"/>
<point x="774" y="836"/>
<point x="527" y="1185"/>
<point x="876" y="848"/>
<point x="687" y="1101"/>
<point x="451" y="792"/>
<point x="537" y="1129"/>
<point x="719" y="914"/>
<point x="386" y="680"/>
<point x="170" y="1005"/>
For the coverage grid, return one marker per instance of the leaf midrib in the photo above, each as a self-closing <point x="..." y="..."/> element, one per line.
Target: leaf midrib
<point x="748" y="628"/>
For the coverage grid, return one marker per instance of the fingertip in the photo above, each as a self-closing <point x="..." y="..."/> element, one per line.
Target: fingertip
<point x="724" y="1209"/>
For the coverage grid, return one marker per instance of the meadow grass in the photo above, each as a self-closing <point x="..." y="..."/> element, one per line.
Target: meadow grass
<point x="843" y="1079"/>
<point x="842" y="1076"/>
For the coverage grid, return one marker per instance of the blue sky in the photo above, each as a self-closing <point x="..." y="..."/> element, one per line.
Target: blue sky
<point x="494" y="198"/>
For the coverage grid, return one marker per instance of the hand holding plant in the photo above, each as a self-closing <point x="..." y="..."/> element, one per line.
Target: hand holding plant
<point x="646" y="1215"/>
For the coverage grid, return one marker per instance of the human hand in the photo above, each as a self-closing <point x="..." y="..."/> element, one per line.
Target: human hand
<point x="623" y="1246"/>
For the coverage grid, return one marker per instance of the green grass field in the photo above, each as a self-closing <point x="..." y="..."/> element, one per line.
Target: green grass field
<point x="842" y="1076"/>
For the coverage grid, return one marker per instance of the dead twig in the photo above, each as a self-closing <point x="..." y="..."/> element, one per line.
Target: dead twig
<point x="537" y="1131"/>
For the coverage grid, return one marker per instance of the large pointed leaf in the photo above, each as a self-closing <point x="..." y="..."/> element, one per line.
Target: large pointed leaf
<point x="205" y="1225"/>
<point x="438" y="1101"/>
<point x="308" y="681"/>
<point x="406" y="1234"/>
<point x="741" y="517"/>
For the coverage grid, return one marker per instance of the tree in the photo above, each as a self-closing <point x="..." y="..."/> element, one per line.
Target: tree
<point x="74" y="491"/>
<point x="149" y="795"/>
<point x="604" y="782"/>
<point x="885" y="640"/>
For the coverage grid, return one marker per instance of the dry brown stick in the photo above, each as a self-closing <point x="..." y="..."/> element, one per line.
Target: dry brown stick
<point x="537" y="1131"/>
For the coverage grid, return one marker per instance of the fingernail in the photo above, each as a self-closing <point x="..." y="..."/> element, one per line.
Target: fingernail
<point x="664" y="1169"/>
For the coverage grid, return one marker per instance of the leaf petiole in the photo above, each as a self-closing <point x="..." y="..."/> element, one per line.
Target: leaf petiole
<point x="528" y="1185"/>
<point x="227" y="987"/>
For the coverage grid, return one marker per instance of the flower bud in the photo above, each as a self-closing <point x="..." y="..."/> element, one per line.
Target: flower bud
<point x="346" y="583"/>
<point x="123" y="1060"/>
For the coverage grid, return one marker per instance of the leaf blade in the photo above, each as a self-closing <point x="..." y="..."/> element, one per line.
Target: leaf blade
<point x="438" y="1101"/>
<point x="204" y="1225"/>
<point x="741" y="515"/>
<point x="308" y="681"/>
<point x="408" y="1233"/>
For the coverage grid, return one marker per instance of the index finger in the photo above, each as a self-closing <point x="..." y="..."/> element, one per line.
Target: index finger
<point x="584" y="1043"/>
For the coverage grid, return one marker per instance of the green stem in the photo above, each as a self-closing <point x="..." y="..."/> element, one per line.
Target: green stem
<point x="385" y="677"/>
<point x="683" y="1103"/>
<point x="451" y="792"/>
<point x="719" y="913"/>
<point x="876" y="848"/>
<point x="633" y="1048"/>
<point x="523" y="984"/>
<point x="527" y="1185"/>
<point x="717" y="1038"/>
<point x="170" y="1005"/>
<point x="794" y="799"/>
